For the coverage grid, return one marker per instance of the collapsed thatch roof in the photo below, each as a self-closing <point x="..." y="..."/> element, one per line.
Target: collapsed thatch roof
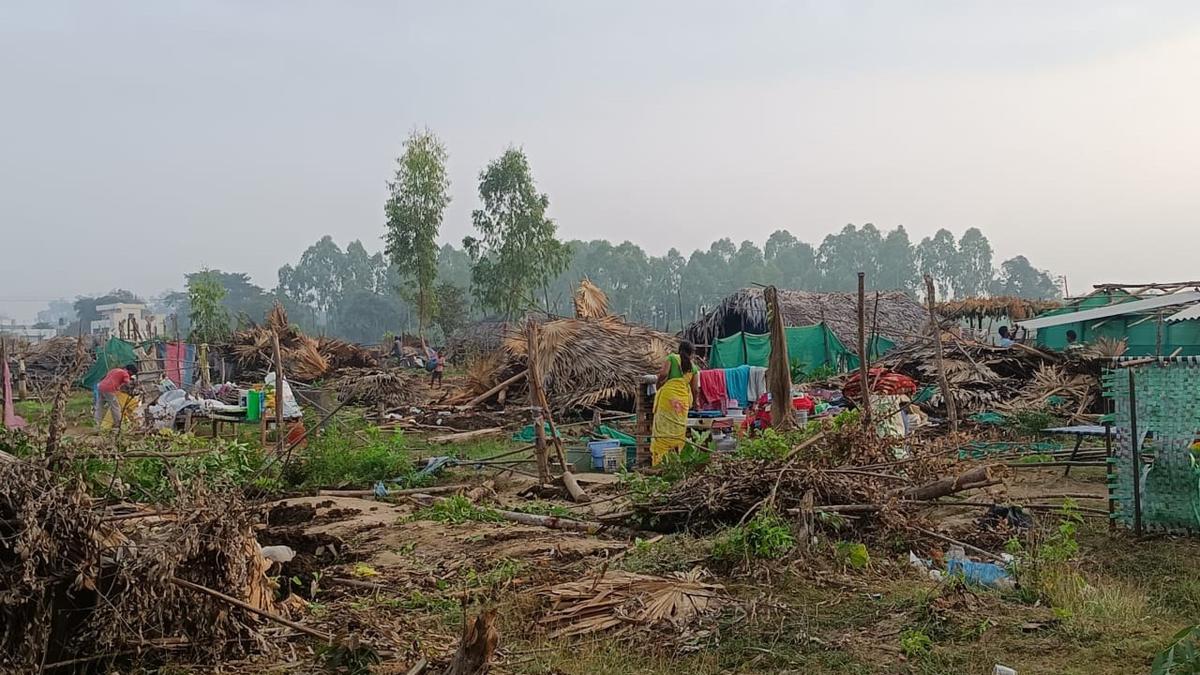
<point x="586" y="361"/>
<point x="898" y="318"/>
<point x="1000" y="307"/>
<point x="305" y="358"/>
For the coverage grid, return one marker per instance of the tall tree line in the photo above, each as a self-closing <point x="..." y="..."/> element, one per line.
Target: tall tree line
<point x="515" y="262"/>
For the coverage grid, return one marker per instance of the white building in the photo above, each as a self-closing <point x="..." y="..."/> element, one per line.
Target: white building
<point x="128" y="320"/>
<point x="26" y="332"/>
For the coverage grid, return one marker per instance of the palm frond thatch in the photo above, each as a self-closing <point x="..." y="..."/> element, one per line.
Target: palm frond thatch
<point x="999" y="307"/>
<point x="589" y="361"/>
<point x="590" y="301"/>
<point x="898" y="318"/>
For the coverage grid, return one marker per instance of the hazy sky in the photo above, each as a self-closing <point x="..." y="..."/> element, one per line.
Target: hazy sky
<point x="143" y="140"/>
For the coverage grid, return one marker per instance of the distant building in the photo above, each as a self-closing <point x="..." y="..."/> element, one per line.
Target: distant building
<point x="128" y="321"/>
<point x="27" y="332"/>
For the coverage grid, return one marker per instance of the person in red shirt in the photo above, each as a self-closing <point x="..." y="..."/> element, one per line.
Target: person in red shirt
<point x="116" y="380"/>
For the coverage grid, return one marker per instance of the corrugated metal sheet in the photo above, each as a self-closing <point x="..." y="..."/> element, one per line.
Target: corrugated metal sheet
<point x="1188" y="314"/>
<point x="1117" y="309"/>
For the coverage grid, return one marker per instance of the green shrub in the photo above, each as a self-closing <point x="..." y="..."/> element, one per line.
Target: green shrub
<point x="337" y="458"/>
<point x="914" y="642"/>
<point x="1182" y="656"/>
<point x="767" y="536"/>
<point x="456" y="510"/>
<point x="229" y="464"/>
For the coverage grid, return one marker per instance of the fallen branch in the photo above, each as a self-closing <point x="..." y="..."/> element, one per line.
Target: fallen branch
<point x="496" y="389"/>
<point x="464" y="435"/>
<point x="409" y="491"/>
<point x="577" y="493"/>
<point x="252" y="609"/>
<point x="963" y="544"/>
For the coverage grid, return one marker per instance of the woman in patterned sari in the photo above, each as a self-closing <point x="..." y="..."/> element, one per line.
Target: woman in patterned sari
<point x="678" y="389"/>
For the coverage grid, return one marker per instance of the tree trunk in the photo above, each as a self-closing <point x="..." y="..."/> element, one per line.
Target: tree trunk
<point x="478" y="646"/>
<point x="977" y="477"/>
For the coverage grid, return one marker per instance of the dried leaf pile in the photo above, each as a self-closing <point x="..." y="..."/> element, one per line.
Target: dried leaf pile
<point x="77" y="583"/>
<point x="590" y="301"/>
<point x="621" y="600"/>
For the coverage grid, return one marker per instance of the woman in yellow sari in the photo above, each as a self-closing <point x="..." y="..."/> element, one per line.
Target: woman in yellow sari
<point x="678" y="389"/>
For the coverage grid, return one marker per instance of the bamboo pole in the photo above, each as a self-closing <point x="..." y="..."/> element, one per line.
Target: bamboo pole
<point x="279" y="435"/>
<point x="935" y="331"/>
<point x="863" y="368"/>
<point x="252" y="609"/>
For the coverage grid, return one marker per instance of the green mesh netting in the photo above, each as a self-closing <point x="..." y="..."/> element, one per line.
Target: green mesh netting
<point x="1168" y="416"/>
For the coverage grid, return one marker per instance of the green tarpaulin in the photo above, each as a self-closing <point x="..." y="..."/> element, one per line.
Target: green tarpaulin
<point x="814" y="346"/>
<point x="114" y="354"/>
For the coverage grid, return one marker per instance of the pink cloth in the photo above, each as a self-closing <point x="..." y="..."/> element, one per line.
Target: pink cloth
<point x="11" y="419"/>
<point x="712" y="389"/>
<point x="173" y="363"/>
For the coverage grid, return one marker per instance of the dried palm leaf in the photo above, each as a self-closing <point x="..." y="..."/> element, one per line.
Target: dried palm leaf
<point x="590" y="301"/>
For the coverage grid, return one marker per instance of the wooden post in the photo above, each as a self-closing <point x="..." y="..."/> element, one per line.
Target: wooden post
<point x="539" y="449"/>
<point x="1136" y="445"/>
<point x="643" y="422"/>
<point x="279" y="435"/>
<point x="779" y="376"/>
<point x="537" y="395"/>
<point x="863" y="369"/>
<point x="936" y="333"/>
<point x="22" y="382"/>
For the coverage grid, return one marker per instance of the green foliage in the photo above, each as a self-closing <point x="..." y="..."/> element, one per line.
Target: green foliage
<point x="420" y="193"/>
<point x="643" y="488"/>
<point x="228" y="464"/>
<point x="679" y="465"/>
<point x="335" y="457"/>
<point x="539" y="508"/>
<point x="499" y="574"/>
<point x="209" y="318"/>
<point x="915" y="643"/>
<point x="769" y="445"/>
<point x="767" y="536"/>
<point x="1182" y="656"/>
<point x="452" y="309"/>
<point x="457" y="510"/>
<point x="852" y="554"/>
<point x="1031" y="422"/>
<point x="516" y="253"/>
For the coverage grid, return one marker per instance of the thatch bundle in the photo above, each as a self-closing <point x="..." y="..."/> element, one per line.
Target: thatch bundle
<point x="75" y="582"/>
<point x="585" y="362"/>
<point x="304" y="358"/>
<point x="1000" y="307"/>
<point x="368" y="387"/>
<point x="897" y="318"/>
<point x="590" y="301"/>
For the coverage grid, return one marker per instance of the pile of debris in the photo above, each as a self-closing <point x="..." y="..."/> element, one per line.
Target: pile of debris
<point x="1011" y="308"/>
<point x="847" y="472"/>
<point x="622" y="601"/>
<point x="81" y="582"/>
<point x="589" y="361"/>
<point x="372" y="387"/>
<point x="305" y="358"/>
<point x="48" y="359"/>
<point x="986" y="378"/>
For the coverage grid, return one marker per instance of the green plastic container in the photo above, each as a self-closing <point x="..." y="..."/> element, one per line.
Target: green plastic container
<point x="253" y="405"/>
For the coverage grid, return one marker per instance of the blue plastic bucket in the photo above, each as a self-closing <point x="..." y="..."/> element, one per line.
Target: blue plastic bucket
<point x="597" y="449"/>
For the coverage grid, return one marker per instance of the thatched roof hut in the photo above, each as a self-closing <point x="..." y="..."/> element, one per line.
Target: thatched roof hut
<point x="898" y="318"/>
<point x="589" y="361"/>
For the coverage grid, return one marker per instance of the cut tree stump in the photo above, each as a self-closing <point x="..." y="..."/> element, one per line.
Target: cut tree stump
<point x="478" y="646"/>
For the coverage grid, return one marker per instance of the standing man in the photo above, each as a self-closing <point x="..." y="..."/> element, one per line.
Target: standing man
<point x="116" y="380"/>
